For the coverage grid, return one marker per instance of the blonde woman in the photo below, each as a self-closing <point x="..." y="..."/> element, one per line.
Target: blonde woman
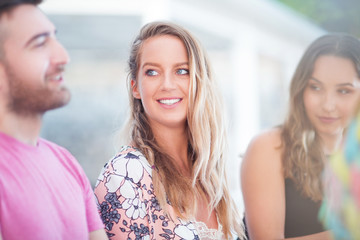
<point x="281" y="171"/>
<point x="170" y="181"/>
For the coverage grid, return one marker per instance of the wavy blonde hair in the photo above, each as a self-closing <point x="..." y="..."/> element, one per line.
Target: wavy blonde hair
<point x="303" y="157"/>
<point x="206" y="133"/>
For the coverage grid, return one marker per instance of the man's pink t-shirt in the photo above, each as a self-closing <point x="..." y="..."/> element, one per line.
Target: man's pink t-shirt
<point x="44" y="193"/>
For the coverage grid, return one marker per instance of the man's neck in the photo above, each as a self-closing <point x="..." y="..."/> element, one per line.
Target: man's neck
<point x="26" y="129"/>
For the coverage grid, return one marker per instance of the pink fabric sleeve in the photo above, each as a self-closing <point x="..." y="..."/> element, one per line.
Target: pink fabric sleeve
<point x="92" y="215"/>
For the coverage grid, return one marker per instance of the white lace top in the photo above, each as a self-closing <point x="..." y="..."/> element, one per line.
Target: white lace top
<point x="205" y="233"/>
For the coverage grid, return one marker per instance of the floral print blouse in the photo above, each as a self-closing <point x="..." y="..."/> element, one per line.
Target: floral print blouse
<point x="128" y="205"/>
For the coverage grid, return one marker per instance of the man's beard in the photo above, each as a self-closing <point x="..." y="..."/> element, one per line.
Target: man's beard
<point x="26" y="98"/>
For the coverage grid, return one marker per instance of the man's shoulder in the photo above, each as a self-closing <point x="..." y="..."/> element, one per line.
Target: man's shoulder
<point x="49" y="143"/>
<point x="61" y="153"/>
<point x="44" y="143"/>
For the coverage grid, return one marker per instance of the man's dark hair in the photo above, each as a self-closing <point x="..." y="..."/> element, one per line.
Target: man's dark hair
<point x="7" y="5"/>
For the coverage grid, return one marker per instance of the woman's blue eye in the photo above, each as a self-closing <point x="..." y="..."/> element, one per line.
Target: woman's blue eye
<point x="151" y="72"/>
<point x="182" y="71"/>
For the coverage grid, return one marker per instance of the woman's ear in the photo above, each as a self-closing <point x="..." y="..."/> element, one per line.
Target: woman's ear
<point x="135" y="90"/>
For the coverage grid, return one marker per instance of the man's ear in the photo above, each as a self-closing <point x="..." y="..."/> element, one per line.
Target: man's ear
<point x="135" y="90"/>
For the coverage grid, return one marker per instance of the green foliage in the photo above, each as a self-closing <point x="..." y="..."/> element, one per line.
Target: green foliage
<point x="332" y="15"/>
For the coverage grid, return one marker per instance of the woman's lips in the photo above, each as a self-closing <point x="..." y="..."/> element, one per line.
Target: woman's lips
<point x="169" y="102"/>
<point x="328" y="120"/>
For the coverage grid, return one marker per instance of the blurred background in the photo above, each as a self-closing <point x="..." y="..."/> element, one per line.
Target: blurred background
<point x="254" y="47"/>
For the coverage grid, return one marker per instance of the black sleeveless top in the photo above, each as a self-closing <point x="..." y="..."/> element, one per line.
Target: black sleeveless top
<point x="301" y="213"/>
<point x="301" y="217"/>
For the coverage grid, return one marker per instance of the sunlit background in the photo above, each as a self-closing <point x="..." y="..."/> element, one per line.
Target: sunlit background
<point x="254" y="47"/>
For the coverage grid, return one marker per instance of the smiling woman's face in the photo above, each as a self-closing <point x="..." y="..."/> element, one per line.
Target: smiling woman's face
<point x="163" y="81"/>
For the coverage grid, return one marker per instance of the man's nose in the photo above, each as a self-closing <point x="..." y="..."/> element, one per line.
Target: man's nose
<point x="59" y="54"/>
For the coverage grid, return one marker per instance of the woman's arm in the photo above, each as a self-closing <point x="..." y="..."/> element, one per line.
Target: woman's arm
<point x="263" y="187"/>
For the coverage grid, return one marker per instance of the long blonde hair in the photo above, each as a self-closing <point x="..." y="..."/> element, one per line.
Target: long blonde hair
<point x="303" y="157"/>
<point x="206" y="133"/>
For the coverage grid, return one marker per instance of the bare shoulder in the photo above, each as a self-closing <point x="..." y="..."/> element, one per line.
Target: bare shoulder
<point x="265" y="147"/>
<point x="270" y="138"/>
<point x="263" y="156"/>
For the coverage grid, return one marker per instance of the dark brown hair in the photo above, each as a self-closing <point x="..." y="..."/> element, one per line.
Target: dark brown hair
<point x="8" y="5"/>
<point x="303" y="157"/>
